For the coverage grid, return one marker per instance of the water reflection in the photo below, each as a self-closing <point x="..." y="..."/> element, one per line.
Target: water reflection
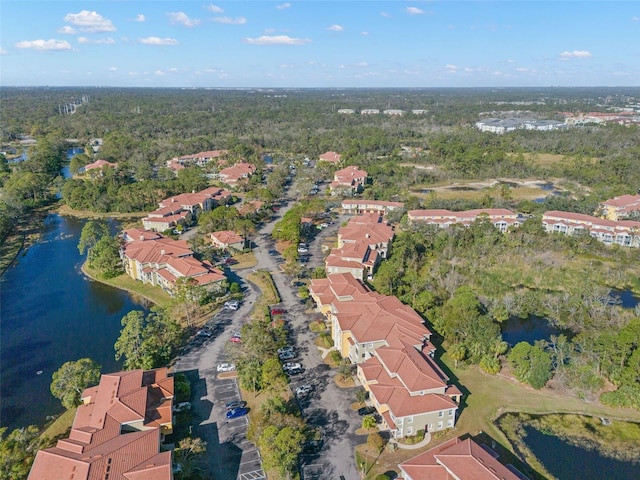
<point x="52" y="313"/>
<point x="568" y="462"/>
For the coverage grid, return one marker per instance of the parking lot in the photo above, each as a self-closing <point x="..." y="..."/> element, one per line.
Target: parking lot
<point x="229" y="454"/>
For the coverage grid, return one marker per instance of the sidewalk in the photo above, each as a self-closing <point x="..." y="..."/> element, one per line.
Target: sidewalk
<point x="416" y="446"/>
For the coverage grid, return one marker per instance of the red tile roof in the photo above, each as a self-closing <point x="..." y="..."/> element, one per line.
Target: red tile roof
<point x="233" y="174"/>
<point x="96" y="446"/>
<point x="349" y="176"/>
<point x="226" y="237"/>
<point x="459" y="459"/>
<point x="624" y="201"/>
<point x="332" y="157"/>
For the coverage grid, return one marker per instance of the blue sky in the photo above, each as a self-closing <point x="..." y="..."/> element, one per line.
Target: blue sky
<point x="337" y="43"/>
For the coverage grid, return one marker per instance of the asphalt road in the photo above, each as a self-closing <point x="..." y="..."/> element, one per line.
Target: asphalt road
<point x="230" y="455"/>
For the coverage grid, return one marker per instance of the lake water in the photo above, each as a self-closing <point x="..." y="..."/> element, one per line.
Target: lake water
<point x="627" y="299"/>
<point x="528" y="330"/>
<point x="52" y="313"/>
<point x="568" y="462"/>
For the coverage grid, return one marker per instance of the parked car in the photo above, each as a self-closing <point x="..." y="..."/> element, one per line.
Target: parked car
<point x="288" y="348"/>
<point x="204" y="333"/>
<point x="273" y="253"/>
<point x="312" y="446"/>
<point x="324" y="225"/>
<point x="182" y="407"/>
<point x="237" y="412"/>
<point x="235" y="339"/>
<point x="278" y="311"/>
<point x="235" y="404"/>
<point x="232" y="304"/>
<point x="304" y="390"/>
<point x="291" y="365"/>
<point x="288" y="355"/>
<point x="366" y="411"/>
<point x="303" y="250"/>
<point x="226" y="367"/>
<point x="294" y="371"/>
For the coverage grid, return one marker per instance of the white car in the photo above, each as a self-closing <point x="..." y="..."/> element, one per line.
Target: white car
<point x="303" y="250"/>
<point x="232" y="305"/>
<point x="226" y="367"/>
<point x="304" y="390"/>
<point x="181" y="407"/>
<point x="291" y="366"/>
<point x="288" y="348"/>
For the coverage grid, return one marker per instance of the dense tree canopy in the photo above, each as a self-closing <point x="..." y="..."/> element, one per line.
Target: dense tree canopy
<point x="72" y="378"/>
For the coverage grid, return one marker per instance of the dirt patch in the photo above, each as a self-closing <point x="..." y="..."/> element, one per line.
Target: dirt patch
<point x="342" y="383"/>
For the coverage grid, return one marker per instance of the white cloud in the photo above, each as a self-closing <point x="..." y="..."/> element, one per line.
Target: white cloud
<point x="67" y="30"/>
<point x="362" y="64"/>
<point x="113" y="69"/>
<point x="451" y="68"/>
<point x="160" y="73"/>
<point x="140" y="18"/>
<point x="566" y="55"/>
<point x="276" y="40"/>
<point x="336" y="28"/>
<point x="230" y="21"/>
<point x="214" y="8"/>
<point x="99" y="41"/>
<point x="385" y="14"/>
<point x="635" y="19"/>
<point x="414" y="11"/>
<point x="3" y="51"/>
<point x="364" y="34"/>
<point x="283" y="6"/>
<point x="44" y="45"/>
<point x="158" y="41"/>
<point x="173" y="69"/>
<point x="181" y="18"/>
<point x="91" y="22"/>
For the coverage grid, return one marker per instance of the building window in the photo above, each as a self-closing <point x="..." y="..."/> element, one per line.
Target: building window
<point x="430" y="427"/>
<point x="409" y="419"/>
<point x="451" y="412"/>
<point x="439" y="425"/>
<point x="449" y="423"/>
<point x="409" y="430"/>
<point x="369" y="345"/>
<point x="440" y="414"/>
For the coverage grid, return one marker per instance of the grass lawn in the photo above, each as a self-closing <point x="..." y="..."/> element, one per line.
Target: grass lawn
<point x="268" y="289"/>
<point x="245" y="260"/>
<point x="490" y="396"/>
<point x="60" y="426"/>
<point x="125" y="282"/>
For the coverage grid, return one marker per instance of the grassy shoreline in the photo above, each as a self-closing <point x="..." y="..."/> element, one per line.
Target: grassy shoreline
<point x="150" y="293"/>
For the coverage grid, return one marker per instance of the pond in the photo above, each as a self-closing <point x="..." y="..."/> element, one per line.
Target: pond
<point x="52" y="313"/>
<point x="568" y="462"/>
<point x="626" y="297"/>
<point x="528" y="330"/>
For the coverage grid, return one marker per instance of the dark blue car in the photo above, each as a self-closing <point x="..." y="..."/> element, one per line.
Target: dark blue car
<point x="237" y="412"/>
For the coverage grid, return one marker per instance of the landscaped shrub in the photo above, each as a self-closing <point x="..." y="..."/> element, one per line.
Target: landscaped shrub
<point x="326" y="338"/>
<point x="182" y="387"/>
<point x="335" y="356"/>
